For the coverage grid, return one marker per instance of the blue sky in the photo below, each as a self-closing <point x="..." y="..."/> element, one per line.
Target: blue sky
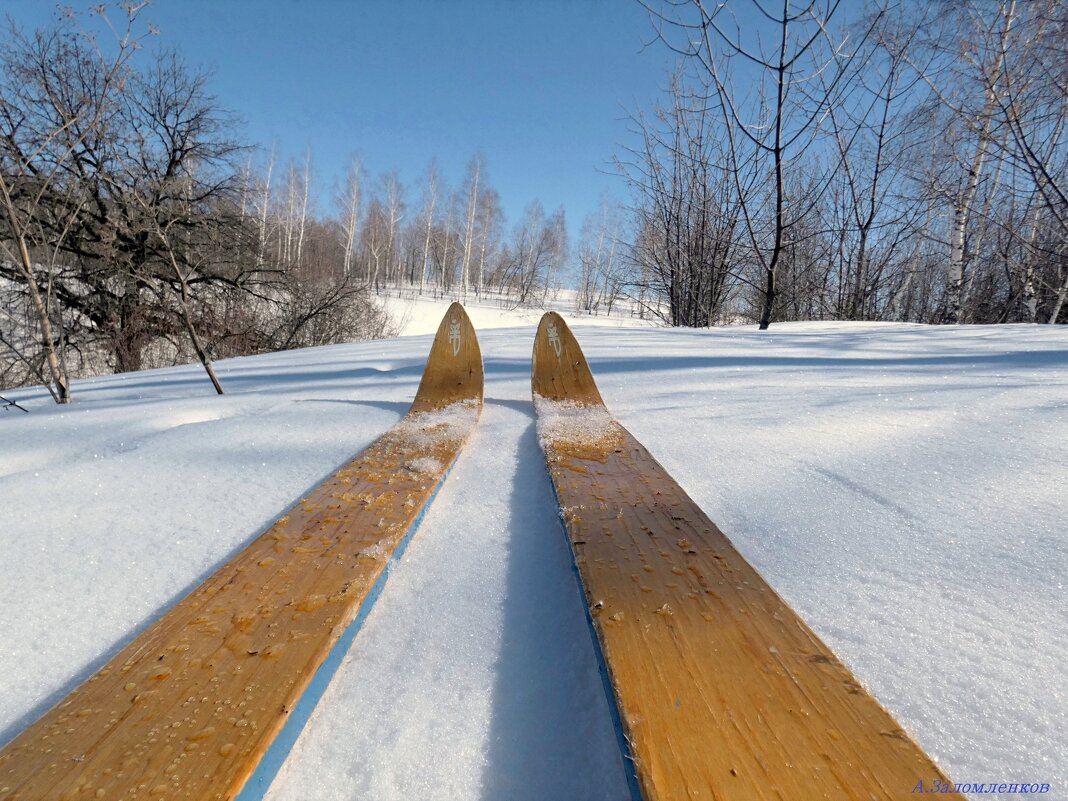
<point x="539" y="88"/>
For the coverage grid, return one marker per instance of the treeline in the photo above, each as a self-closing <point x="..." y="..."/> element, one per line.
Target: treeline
<point x="138" y="230"/>
<point x="908" y="164"/>
<point x="436" y="239"/>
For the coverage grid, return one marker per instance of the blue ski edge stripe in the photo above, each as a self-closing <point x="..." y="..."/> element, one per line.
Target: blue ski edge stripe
<point x="629" y="768"/>
<point x="278" y="751"/>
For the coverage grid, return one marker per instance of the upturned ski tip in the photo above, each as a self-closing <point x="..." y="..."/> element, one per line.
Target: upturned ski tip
<point x="453" y="371"/>
<point x="559" y="370"/>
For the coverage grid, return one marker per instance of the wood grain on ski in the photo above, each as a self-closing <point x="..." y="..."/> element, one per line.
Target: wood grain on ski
<point x="722" y="690"/>
<point x="188" y="708"/>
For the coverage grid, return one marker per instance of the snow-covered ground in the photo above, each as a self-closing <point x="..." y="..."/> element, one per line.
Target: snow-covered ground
<point x="903" y="487"/>
<point x="421" y="315"/>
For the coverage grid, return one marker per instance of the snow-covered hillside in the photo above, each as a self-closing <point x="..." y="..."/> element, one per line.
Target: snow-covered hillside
<point x="415" y="314"/>
<point x="902" y="486"/>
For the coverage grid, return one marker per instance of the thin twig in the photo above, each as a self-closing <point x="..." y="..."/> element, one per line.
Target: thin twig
<point x="9" y="403"/>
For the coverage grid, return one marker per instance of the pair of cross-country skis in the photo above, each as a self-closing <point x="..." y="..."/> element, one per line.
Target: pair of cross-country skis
<point x="718" y="689"/>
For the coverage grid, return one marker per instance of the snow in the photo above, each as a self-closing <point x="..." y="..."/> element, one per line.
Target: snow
<point x="447" y="424"/>
<point x="421" y="315"/>
<point x="424" y="464"/>
<point x="567" y="421"/>
<point x="903" y="487"/>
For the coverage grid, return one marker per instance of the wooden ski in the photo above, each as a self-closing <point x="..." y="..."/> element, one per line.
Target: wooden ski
<point x="188" y="708"/>
<point x="720" y="689"/>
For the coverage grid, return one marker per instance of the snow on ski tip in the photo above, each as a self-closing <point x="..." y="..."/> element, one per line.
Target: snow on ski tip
<point x="720" y="689"/>
<point x="562" y="420"/>
<point x="192" y="704"/>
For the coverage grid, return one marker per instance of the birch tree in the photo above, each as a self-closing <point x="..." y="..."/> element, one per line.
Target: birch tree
<point x="305" y="188"/>
<point x="599" y="260"/>
<point x="969" y="102"/>
<point x="474" y="173"/>
<point x="430" y="199"/>
<point x="393" y="200"/>
<point x="264" y="201"/>
<point x="350" y="212"/>
<point x="1029" y="87"/>
<point x="490" y="222"/>
<point x="375" y="239"/>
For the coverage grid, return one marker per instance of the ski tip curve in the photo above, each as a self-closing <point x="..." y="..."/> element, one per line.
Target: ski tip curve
<point x="453" y="372"/>
<point x="559" y="370"/>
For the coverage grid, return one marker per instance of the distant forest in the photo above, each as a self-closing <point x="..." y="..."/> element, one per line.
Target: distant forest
<point x="905" y="163"/>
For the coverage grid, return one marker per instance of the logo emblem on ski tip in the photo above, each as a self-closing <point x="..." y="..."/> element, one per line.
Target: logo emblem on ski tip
<point x="554" y="338"/>
<point x="454" y="336"/>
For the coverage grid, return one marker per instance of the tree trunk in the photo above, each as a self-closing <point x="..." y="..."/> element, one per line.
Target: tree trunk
<point x="955" y="274"/>
<point x="780" y="199"/>
<point x="61" y="391"/>
<point x="303" y="211"/>
<point x="1062" y="294"/>
<point x="264" y="211"/>
<point x="466" y="266"/>
<point x="426" y="243"/>
<point x="187" y="318"/>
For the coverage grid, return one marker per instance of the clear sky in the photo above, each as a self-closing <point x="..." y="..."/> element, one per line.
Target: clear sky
<point x="540" y="88"/>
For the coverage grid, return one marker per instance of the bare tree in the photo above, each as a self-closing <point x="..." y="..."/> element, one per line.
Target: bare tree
<point x="777" y="120"/>
<point x="265" y="209"/>
<point x="59" y="386"/>
<point x="599" y="278"/>
<point x="530" y="262"/>
<point x="1029" y="87"/>
<point x="57" y="87"/>
<point x="295" y="212"/>
<point x="136" y="231"/>
<point x="872" y="133"/>
<point x="686" y="211"/>
<point x="970" y="134"/>
<point x="490" y="222"/>
<point x="393" y="198"/>
<point x="446" y="239"/>
<point x="375" y="237"/>
<point x="474" y="173"/>
<point x="99" y="212"/>
<point x="182" y="275"/>
<point x="349" y="202"/>
<point x="430" y="199"/>
<point x="305" y="187"/>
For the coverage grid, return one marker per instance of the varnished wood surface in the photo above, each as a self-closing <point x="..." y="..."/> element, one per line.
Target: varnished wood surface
<point x="187" y="709"/>
<point x="560" y="370"/>
<point x="453" y="371"/>
<point x="723" y="691"/>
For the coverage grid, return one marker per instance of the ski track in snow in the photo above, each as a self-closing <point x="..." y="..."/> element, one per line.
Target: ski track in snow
<point x="901" y="486"/>
<point x="475" y="676"/>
